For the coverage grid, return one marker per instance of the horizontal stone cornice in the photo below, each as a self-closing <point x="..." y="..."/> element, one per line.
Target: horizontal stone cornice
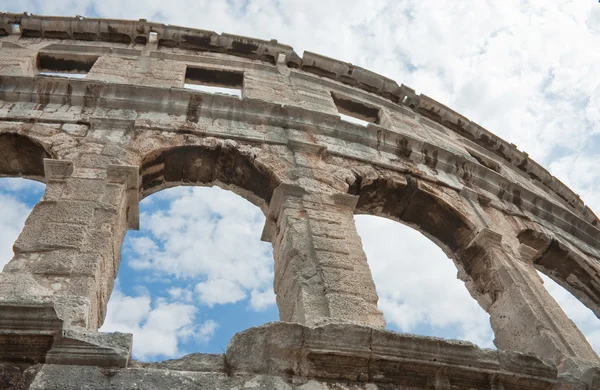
<point x="432" y="162"/>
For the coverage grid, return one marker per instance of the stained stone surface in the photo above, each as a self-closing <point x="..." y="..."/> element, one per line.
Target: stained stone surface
<point x="130" y="128"/>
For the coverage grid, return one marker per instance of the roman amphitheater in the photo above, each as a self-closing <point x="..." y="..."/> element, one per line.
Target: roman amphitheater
<point x="130" y="128"/>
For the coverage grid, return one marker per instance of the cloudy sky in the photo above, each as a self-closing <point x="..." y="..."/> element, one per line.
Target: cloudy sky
<point x="522" y="69"/>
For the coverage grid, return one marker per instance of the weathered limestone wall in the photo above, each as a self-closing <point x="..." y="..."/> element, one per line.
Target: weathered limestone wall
<point x="129" y="129"/>
<point x="138" y="70"/>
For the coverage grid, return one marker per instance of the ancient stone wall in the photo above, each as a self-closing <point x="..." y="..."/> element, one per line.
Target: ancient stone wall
<point x="130" y="128"/>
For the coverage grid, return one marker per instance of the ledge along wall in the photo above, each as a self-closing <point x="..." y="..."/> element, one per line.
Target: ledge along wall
<point x="130" y="128"/>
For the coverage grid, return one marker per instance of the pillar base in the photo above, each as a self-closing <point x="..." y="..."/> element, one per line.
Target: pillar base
<point x="31" y="334"/>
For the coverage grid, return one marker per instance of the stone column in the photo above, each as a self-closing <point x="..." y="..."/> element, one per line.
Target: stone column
<point x="68" y="254"/>
<point x="321" y="271"/>
<point x="524" y="316"/>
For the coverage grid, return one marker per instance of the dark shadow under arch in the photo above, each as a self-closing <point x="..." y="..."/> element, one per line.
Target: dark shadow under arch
<point x="416" y="204"/>
<point x="22" y="157"/>
<point x="224" y="166"/>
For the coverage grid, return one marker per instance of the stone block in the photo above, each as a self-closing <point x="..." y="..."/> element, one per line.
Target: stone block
<point x="350" y="361"/>
<point x="61" y="235"/>
<point x="331" y="244"/>
<point x="72" y="212"/>
<point x="84" y="189"/>
<point x="352" y="309"/>
<point x="328" y="230"/>
<point x="75" y="130"/>
<point x="271" y="348"/>
<point x="83" y="347"/>
<point x="339" y="280"/>
<point x="201" y="362"/>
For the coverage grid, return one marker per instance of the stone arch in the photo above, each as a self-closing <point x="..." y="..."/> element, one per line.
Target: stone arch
<point x="575" y="270"/>
<point x="248" y="170"/>
<point x="22" y="157"/>
<point x="435" y="211"/>
<point x="221" y="164"/>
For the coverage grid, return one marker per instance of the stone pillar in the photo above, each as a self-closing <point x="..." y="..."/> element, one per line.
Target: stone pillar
<point x="16" y="60"/>
<point x="321" y="271"/>
<point x="138" y="71"/>
<point x="524" y="316"/>
<point x="68" y="254"/>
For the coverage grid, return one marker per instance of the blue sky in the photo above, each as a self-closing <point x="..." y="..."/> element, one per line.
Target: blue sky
<point x="526" y="70"/>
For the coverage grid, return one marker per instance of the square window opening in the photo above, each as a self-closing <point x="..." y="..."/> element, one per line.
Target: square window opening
<point x="214" y="80"/>
<point x="354" y="111"/>
<point x="65" y="65"/>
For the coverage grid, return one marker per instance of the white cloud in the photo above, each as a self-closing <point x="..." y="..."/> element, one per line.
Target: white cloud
<point x="211" y="235"/>
<point x="216" y="90"/>
<point x="160" y="328"/>
<point x="180" y="294"/>
<point x="143" y="246"/>
<point x="219" y="291"/>
<point x="13" y="218"/>
<point x="18" y="185"/>
<point x="581" y="174"/>
<point x="261" y="300"/>
<point x="206" y="331"/>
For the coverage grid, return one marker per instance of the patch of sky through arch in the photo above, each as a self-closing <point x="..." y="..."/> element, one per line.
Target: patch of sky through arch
<point x="417" y="285"/>
<point x="194" y="274"/>
<point x="17" y="198"/>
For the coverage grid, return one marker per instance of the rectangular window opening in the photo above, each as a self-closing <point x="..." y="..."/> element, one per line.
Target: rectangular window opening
<point x="214" y="81"/>
<point x="354" y="111"/>
<point x="65" y="65"/>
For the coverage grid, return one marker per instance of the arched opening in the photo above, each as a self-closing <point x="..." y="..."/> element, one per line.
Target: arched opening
<point x="17" y="196"/>
<point x="584" y="318"/>
<point x="417" y="285"/>
<point x="196" y="272"/>
<point x="21" y="157"/>
<point x="221" y="165"/>
<point x="416" y="204"/>
<point x="416" y="281"/>
<point x="194" y="275"/>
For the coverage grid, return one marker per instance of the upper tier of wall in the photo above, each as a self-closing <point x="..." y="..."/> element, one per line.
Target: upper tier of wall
<point x="272" y="52"/>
